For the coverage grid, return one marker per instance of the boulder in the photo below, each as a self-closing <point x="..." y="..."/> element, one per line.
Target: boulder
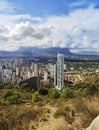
<point x="94" y="125"/>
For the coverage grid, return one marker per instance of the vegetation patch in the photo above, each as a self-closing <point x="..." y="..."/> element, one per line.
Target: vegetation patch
<point x="53" y="93"/>
<point x="42" y="91"/>
<point x="12" y="97"/>
<point x="36" y="97"/>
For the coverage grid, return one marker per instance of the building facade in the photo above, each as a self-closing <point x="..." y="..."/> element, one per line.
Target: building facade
<point x="60" y="71"/>
<point x="1" y="76"/>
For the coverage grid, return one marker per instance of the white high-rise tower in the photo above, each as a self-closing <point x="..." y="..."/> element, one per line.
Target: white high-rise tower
<point x="60" y="71"/>
<point x="1" y="76"/>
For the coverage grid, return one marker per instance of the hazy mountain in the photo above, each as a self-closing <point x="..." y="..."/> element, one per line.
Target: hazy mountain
<point x="33" y="51"/>
<point x="89" y="53"/>
<point x="45" y="51"/>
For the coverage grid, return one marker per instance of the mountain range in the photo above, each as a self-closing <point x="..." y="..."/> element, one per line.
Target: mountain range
<point x="35" y="51"/>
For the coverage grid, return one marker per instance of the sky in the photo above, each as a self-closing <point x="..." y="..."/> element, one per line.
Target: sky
<point x="73" y="24"/>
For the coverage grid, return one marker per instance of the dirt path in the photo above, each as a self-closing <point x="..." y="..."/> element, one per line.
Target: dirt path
<point x="51" y="123"/>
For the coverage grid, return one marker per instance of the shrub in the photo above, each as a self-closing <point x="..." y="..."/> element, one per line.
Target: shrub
<point x="36" y="97"/>
<point x="43" y="91"/>
<point x="67" y="93"/>
<point x="4" y="102"/>
<point x="81" y="92"/>
<point x="53" y="93"/>
<point x="12" y="97"/>
<point x="8" y="94"/>
<point x="92" y="89"/>
<point x="1" y="86"/>
<point x="67" y="112"/>
<point x="25" y="86"/>
<point x="33" y="90"/>
<point x="80" y="85"/>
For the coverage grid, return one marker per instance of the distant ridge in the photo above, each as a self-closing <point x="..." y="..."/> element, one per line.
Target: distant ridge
<point x="35" y="51"/>
<point x="46" y="51"/>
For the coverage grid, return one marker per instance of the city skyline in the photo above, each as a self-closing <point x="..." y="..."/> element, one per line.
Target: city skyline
<point x="44" y="23"/>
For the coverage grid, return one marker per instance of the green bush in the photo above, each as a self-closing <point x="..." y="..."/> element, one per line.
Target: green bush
<point x="8" y="94"/>
<point x="1" y="86"/>
<point x="36" y="97"/>
<point x="43" y="91"/>
<point x="67" y="93"/>
<point x="15" y="99"/>
<point x="12" y="97"/>
<point x="92" y="89"/>
<point x="80" y="86"/>
<point x="32" y="90"/>
<point x="87" y="89"/>
<point x="25" y="86"/>
<point x="53" y="93"/>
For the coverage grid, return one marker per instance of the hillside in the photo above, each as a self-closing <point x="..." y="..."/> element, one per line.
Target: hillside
<point x="35" y="111"/>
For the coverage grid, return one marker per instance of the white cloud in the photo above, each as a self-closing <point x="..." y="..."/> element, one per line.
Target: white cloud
<point x="10" y="17"/>
<point x="81" y="4"/>
<point x="75" y="4"/>
<point x="11" y="20"/>
<point x="7" y="7"/>
<point x="79" y="30"/>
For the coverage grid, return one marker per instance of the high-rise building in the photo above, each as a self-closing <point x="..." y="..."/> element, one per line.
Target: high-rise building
<point x="1" y="76"/>
<point x="36" y="69"/>
<point x="17" y="71"/>
<point x="45" y="75"/>
<point x="55" y="74"/>
<point x="60" y="71"/>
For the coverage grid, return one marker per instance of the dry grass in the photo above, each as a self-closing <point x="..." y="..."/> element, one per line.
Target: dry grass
<point x="88" y="108"/>
<point x="60" y="124"/>
<point x="74" y="113"/>
<point x="92" y="78"/>
<point x="78" y="112"/>
<point x="19" y="116"/>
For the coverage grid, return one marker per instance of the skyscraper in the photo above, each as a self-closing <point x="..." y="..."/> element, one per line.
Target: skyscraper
<point x="1" y="76"/>
<point x="60" y="71"/>
<point x="36" y="69"/>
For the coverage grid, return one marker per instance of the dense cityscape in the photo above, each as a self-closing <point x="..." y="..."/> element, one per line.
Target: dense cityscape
<point x="16" y="71"/>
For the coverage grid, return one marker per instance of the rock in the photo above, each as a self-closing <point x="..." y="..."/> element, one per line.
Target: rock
<point x="94" y="125"/>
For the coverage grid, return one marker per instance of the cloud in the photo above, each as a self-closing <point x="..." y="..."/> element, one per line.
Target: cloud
<point x="3" y="29"/>
<point x="11" y="20"/>
<point x="79" y="30"/>
<point x="81" y="4"/>
<point x="7" y="7"/>
<point x="10" y="17"/>
<point x="27" y="30"/>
